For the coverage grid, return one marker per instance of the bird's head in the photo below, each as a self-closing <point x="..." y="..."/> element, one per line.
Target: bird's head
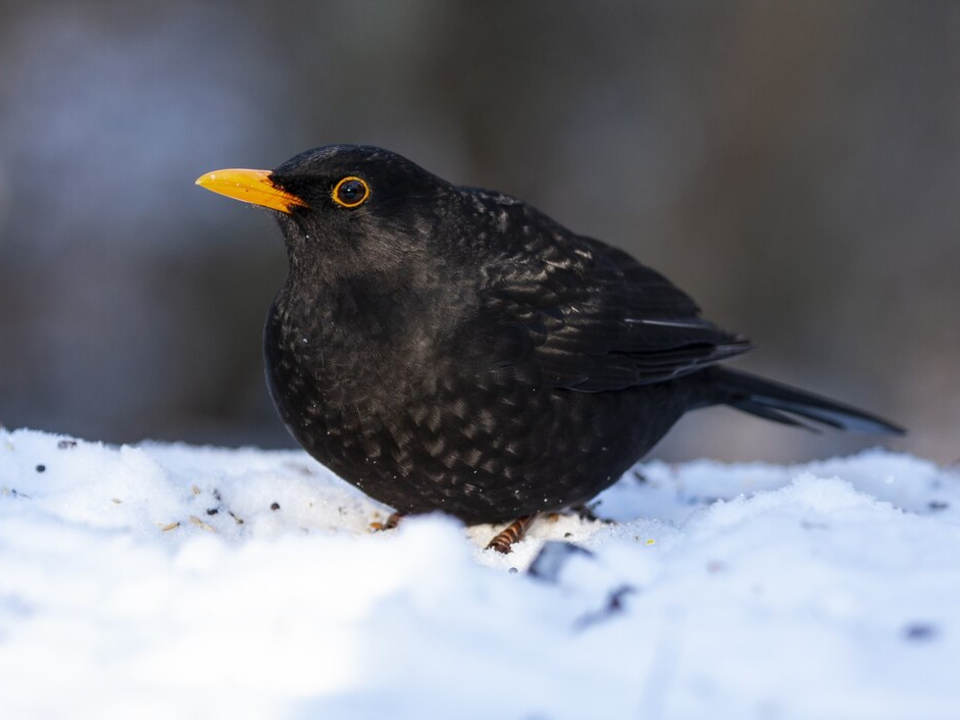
<point x="347" y="209"/>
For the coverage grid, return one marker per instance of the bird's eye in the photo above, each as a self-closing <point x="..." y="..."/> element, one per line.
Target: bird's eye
<point x="351" y="191"/>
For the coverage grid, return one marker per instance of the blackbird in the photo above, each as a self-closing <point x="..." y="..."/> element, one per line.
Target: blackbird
<point x="452" y="348"/>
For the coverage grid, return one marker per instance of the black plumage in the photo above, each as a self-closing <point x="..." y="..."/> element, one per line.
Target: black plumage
<point x="451" y="348"/>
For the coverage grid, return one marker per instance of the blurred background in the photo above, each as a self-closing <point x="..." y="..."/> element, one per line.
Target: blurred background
<point x="793" y="166"/>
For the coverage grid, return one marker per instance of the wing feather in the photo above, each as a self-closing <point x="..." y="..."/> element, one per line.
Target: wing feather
<point x="589" y="317"/>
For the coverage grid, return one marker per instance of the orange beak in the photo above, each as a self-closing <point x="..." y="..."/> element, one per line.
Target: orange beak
<point x="252" y="186"/>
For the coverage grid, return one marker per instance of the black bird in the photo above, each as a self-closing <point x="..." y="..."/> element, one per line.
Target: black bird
<point x="451" y="348"/>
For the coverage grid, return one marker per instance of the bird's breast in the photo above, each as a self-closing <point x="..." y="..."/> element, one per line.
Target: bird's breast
<point x="350" y="364"/>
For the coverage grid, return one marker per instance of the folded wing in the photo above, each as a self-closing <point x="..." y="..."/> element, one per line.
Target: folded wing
<point x="588" y="317"/>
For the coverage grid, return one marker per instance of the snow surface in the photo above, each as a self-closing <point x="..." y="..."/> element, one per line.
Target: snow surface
<point x="159" y="581"/>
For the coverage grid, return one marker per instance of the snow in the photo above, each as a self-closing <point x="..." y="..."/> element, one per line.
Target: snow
<point x="158" y="581"/>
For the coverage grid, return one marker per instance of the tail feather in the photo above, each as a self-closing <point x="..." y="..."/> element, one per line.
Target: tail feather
<point x="790" y="406"/>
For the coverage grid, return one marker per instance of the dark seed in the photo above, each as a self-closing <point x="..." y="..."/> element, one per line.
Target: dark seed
<point x="613" y="607"/>
<point x="920" y="631"/>
<point x="41" y="468"/>
<point x="212" y="511"/>
<point x="553" y="556"/>
<point x="275" y="506"/>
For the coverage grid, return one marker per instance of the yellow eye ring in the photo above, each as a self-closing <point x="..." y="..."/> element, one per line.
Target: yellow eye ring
<point x="351" y="191"/>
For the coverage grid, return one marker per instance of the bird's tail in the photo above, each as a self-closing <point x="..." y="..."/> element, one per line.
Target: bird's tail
<point x="790" y="406"/>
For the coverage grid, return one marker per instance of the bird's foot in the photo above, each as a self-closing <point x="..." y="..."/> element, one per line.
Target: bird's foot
<point x="389" y="524"/>
<point x="512" y="534"/>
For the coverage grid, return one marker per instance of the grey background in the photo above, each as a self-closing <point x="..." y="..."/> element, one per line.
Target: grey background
<point x="794" y="166"/>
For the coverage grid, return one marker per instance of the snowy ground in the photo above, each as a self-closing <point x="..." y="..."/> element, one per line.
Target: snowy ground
<point x="163" y="581"/>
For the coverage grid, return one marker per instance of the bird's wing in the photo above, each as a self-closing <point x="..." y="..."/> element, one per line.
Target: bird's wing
<point x="589" y="317"/>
